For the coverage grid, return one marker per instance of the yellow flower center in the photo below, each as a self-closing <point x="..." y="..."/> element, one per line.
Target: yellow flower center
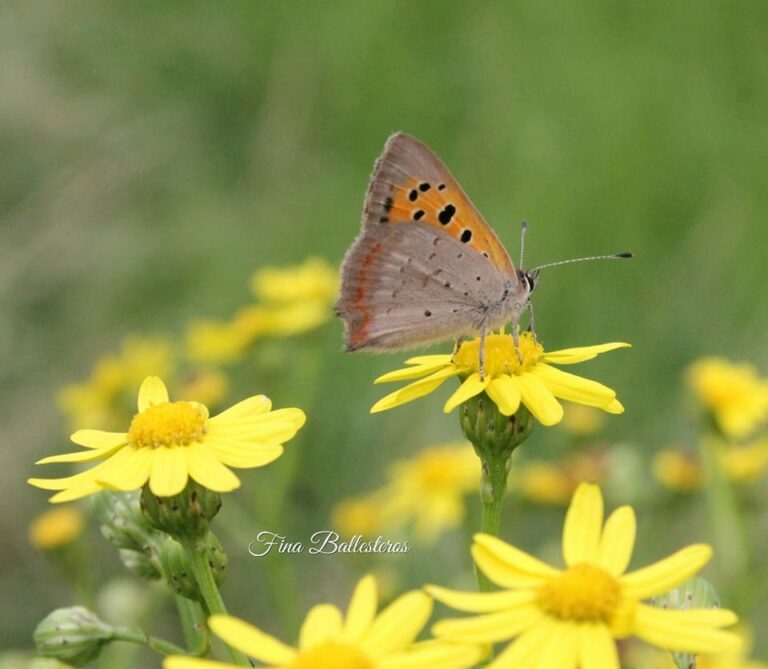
<point x="167" y="424"/>
<point x="500" y="354"/>
<point x="332" y="655"/>
<point x="583" y="593"/>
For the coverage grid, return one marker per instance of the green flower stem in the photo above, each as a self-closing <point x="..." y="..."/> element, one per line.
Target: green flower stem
<point x="196" y="634"/>
<point x="493" y="488"/>
<point x="727" y="527"/>
<point x="210" y="591"/>
<point x="137" y="636"/>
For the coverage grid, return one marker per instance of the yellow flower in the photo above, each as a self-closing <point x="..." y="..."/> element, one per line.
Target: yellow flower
<point x="569" y="618"/>
<point x="644" y="657"/>
<point x="508" y="382"/>
<point x="56" y="527"/>
<point x="361" y="640"/>
<point x="426" y="491"/>
<point x="167" y="442"/>
<point x="314" y="280"/>
<point x="358" y="515"/>
<point x="545" y="482"/>
<point x="677" y="470"/>
<point x="582" y="421"/>
<point x="682" y="471"/>
<point x="292" y="300"/>
<point x="735" y="395"/>
<point x="102" y="400"/>
<point x="207" y="386"/>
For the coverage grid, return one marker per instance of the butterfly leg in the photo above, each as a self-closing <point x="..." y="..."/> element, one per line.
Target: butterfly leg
<point x="531" y="324"/>
<point x="516" y="338"/>
<point x="457" y="344"/>
<point x="482" y="353"/>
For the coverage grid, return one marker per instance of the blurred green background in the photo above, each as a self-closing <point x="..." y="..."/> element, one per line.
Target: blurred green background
<point x="154" y="154"/>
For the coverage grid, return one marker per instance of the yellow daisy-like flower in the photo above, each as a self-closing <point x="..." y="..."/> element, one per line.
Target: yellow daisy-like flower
<point x="314" y="280"/>
<point x="167" y="442"/>
<point x="426" y="491"/>
<point x="734" y="393"/>
<point x="508" y="381"/>
<point x="568" y="618"/>
<point x="102" y="399"/>
<point x="544" y="482"/>
<point x="361" y="640"/>
<point x="56" y="527"/>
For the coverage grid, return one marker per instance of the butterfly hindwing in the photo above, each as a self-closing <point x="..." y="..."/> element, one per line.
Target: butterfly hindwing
<point x="408" y="286"/>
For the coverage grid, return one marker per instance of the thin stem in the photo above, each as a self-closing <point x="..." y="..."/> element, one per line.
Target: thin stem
<point x="210" y="591"/>
<point x="196" y="633"/>
<point x="727" y="528"/>
<point x="155" y="643"/>
<point x="493" y="487"/>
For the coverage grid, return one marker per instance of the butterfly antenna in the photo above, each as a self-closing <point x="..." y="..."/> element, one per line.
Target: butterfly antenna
<point x="523" y="230"/>
<point x="612" y="256"/>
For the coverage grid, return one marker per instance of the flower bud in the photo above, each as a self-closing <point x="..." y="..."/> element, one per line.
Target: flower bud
<point x="123" y="524"/>
<point x="73" y="635"/>
<point x="183" y="516"/>
<point x="492" y="433"/>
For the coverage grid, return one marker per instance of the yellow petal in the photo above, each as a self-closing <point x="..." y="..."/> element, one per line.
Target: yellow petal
<point x="508" y="566"/>
<point x="470" y="387"/>
<point x="539" y="399"/>
<point x="677" y="630"/>
<point x="489" y="627"/>
<point x="414" y="390"/>
<point x="208" y="471"/>
<point x="323" y="622"/>
<point x="169" y="471"/>
<point x="274" y="427"/>
<point x="526" y="650"/>
<point x="563" y="650"/>
<point x="362" y="608"/>
<point x="442" y="654"/>
<point x="253" y="406"/>
<point x="127" y="470"/>
<point x="614" y="407"/>
<point x="667" y="573"/>
<point x="398" y="625"/>
<point x="570" y="356"/>
<point x="152" y="392"/>
<point x="82" y="456"/>
<point x="583" y="525"/>
<point x="430" y="365"/>
<point x="597" y="649"/>
<point x="481" y="602"/>
<point x="574" y="388"/>
<point x="251" y="641"/>
<point x="98" y="438"/>
<point x="505" y="393"/>
<point x="71" y="494"/>
<point x="618" y="541"/>
<point x="243" y="454"/>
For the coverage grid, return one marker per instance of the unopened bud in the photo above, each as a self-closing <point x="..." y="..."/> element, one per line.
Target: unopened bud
<point x="73" y="635"/>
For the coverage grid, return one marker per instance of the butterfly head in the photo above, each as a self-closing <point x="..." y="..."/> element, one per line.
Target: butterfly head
<point x="528" y="278"/>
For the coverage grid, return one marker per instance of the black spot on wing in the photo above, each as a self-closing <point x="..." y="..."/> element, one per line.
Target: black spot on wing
<point x="466" y="235"/>
<point x="413" y="195"/>
<point x="424" y="187"/>
<point x="418" y="214"/>
<point x="446" y="214"/>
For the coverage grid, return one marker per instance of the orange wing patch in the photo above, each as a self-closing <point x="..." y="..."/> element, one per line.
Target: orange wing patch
<point x="411" y="184"/>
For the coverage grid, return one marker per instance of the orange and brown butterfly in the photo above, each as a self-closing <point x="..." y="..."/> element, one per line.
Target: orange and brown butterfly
<point x="425" y="266"/>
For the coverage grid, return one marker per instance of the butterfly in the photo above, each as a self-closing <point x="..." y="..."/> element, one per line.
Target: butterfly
<point x="426" y="266"/>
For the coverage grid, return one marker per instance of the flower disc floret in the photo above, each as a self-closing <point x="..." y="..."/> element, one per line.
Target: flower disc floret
<point x="583" y="593"/>
<point x="168" y="424"/>
<point x="501" y="356"/>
